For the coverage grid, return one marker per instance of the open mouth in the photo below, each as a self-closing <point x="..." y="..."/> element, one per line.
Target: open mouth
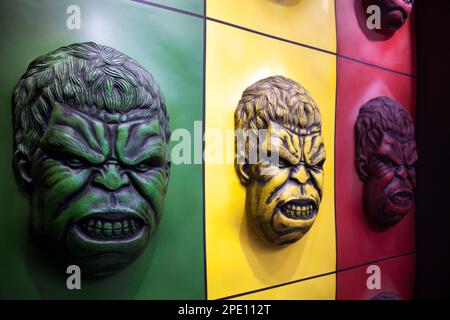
<point x="401" y="200"/>
<point x="299" y="209"/>
<point x="399" y="15"/>
<point x="111" y="226"/>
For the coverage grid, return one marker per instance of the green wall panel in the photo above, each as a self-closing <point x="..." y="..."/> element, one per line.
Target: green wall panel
<point x="170" y="46"/>
<point x="194" y="6"/>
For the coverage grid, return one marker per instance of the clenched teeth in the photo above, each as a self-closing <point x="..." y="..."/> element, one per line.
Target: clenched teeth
<point x="400" y="201"/>
<point x="296" y="211"/>
<point x="104" y="229"/>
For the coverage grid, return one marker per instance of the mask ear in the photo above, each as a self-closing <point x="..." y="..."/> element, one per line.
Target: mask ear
<point x="22" y="168"/>
<point x="362" y="168"/>
<point x="242" y="171"/>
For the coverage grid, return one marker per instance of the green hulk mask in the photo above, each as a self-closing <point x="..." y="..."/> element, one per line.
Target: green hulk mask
<point x="90" y="150"/>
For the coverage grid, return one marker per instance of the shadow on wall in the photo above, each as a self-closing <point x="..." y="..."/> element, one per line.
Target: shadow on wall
<point x="49" y="276"/>
<point x="268" y="262"/>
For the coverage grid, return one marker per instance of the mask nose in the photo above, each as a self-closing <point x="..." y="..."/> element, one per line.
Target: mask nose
<point x="300" y="174"/>
<point x="402" y="172"/>
<point x="111" y="178"/>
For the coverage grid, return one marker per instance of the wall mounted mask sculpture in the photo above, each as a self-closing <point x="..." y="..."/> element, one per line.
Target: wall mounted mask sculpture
<point x="90" y="151"/>
<point x="394" y="13"/>
<point x="385" y="156"/>
<point x="283" y="196"/>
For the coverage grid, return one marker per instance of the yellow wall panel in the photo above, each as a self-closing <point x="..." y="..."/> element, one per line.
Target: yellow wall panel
<point x="238" y="261"/>
<point x="320" y="288"/>
<point x="310" y="22"/>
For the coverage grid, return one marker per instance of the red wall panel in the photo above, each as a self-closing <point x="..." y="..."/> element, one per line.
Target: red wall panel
<point x="358" y="242"/>
<point x="397" y="276"/>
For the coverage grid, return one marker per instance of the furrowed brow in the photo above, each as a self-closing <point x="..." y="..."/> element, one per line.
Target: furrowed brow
<point x="140" y="141"/>
<point x="386" y="156"/>
<point x="155" y="152"/>
<point x="412" y="157"/>
<point x="277" y="146"/>
<point x="283" y="142"/>
<point x="92" y="131"/>
<point x="59" y="144"/>
<point x="318" y="156"/>
<point x="285" y="154"/>
<point x="316" y="152"/>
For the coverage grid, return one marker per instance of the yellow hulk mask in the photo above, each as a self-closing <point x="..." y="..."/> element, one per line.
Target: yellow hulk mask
<point x="279" y="158"/>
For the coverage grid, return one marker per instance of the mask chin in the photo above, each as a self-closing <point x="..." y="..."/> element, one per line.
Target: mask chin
<point x="382" y="217"/>
<point x="99" y="257"/>
<point x="288" y="232"/>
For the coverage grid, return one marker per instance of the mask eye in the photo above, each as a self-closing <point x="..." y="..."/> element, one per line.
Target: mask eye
<point x="411" y="169"/>
<point x="142" y="167"/>
<point x="386" y="161"/>
<point x="283" y="163"/>
<point x="74" y="163"/>
<point x="146" y="165"/>
<point x="318" y="166"/>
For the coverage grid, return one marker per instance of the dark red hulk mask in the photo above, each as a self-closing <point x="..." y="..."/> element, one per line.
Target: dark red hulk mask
<point x="385" y="158"/>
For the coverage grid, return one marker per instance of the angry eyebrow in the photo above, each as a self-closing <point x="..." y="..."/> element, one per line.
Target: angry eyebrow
<point x="412" y="159"/>
<point x="285" y="144"/>
<point x="318" y="157"/>
<point x="285" y="154"/>
<point x="73" y="134"/>
<point x="140" y="141"/>
<point x="389" y="154"/>
<point x="59" y="143"/>
<point x="315" y="154"/>
<point x="410" y="155"/>
<point x="84" y="127"/>
<point x="155" y="154"/>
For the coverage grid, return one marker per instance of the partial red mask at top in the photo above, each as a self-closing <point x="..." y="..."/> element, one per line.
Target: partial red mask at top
<point x="394" y="13"/>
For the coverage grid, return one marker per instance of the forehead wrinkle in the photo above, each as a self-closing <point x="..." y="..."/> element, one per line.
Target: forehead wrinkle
<point x="288" y="155"/>
<point x="389" y="150"/>
<point x="316" y="144"/>
<point x="149" y="139"/>
<point x="316" y="147"/>
<point x="410" y="153"/>
<point x="295" y="143"/>
<point x="318" y="155"/>
<point x="65" y="142"/>
<point x="140" y="137"/>
<point x="156" y="149"/>
<point x="299" y="145"/>
<point x="91" y="129"/>
<point x="94" y="113"/>
<point x="140" y="129"/>
<point x="398" y="150"/>
<point x="131" y="127"/>
<point x="279" y="145"/>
